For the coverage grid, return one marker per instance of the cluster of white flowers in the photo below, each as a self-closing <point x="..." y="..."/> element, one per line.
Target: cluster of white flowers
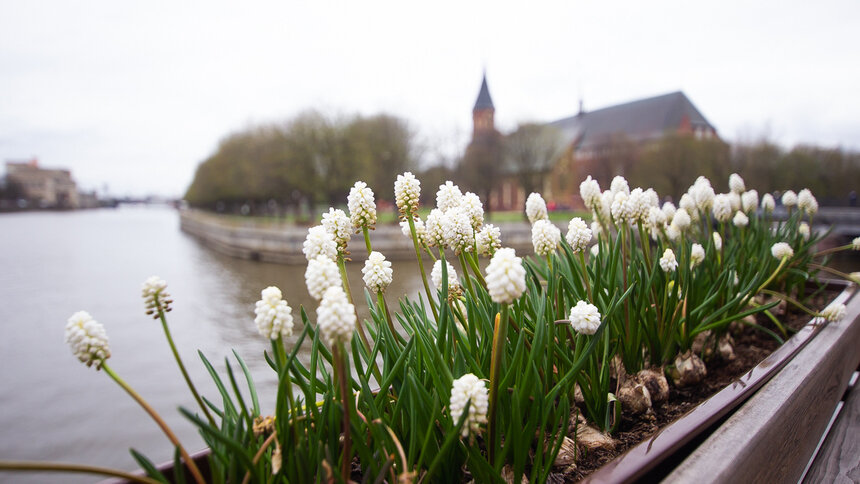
<point x="335" y="316"/>
<point x="781" y="250"/>
<point x="471" y="205"/>
<point x="585" y="318"/>
<point x="377" y="273"/>
<point x="545" y="237"/>
<point x="789" y="199"/>
<point x="448" y="196"/>
<point x="535" y="208"/>
<point x="703" y="193"/>
<point x="740" y="220"/>
<point x="855" y="244"/>
<point x="435" y="228"/>
<point x="688" y="203"/>
<point x="749" y="201"/>
<point x="578" y="235"/>
<point x="506" y="276"/>
<point x="803" y="230"/>
<point x="362" y="205"/>
<point x="736" y="183"/>
<point x="589" y="190"/>
<point x="718" y="241"/>
<point x="697" y="255"/>
<point x="436" y="275"/>
<point x="722" y="208"/>
<point x="319" y="242"/>
<point x="488" y="239"/>
<point x="155" y="297"/>
<point x="668" y="262"/>
<point x="768" y="204"/>
<point x="681" y="221"/>
<point x="321" y="274"/>
<point x="338" y="225"/>
<point x="834" y="312"/>
<point x="457" y="230"/>
<point x="471" y="391"/>
<point x="407" y="190"/>
<point x="619" y="185"/>
<point x="273" y="315"/>
<point x="87" y="339"/>
<point x="807" y="202"/>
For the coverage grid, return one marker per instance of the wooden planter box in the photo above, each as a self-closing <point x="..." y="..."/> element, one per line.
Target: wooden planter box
<point x="766" y="426"/>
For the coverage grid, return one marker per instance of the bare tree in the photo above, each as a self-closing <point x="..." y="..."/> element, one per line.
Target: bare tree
<point x="531" y="151"/>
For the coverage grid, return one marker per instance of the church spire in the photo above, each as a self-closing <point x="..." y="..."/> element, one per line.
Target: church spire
<point x="484" y="100"/>
<point x="482" y="113"/>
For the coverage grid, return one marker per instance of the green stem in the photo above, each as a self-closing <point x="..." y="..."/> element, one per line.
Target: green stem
<point x="465" y="269"/>
<point x="281" y="355"/>
<point x="585" y="276"/>
<point x="24" y="465"/>
<point x="430" y="297"/>
<point x="160" y="421"/>
<point x="366" y="238"/>
<point x="499" y="337"/>
<point x="832" y="250"/>
<point x="182" y="369"/>
<point x="342" y="367"/>
<point x="341" y="264"/>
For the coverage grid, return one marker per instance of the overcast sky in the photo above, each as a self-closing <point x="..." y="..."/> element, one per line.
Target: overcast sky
<point x="133" y="95"/>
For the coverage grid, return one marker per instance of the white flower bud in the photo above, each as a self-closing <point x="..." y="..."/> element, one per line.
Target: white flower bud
<point x="595" y="249"/>
<point x="273" y="316"/>
<point x="420" y="231"/>
<point x="589" y="190"/>
<point x="619" y="185"/>
<point x="736" y="183"/>
<point x="585" y="318"/>
<point x="362" y="205"/>
<point x="669" y="209"/>
<point x="578" y="235"/>
<point x="377" y="272"/>
<point x="321" y="274"/>
<point x="704" y="195"/>
<point x="688" y="203"/>
<point x="335" y="316"/>
<point x="668" y="262"/>
<point x="407" y="190"/>
<point x="681" y="220"/>
<point x="155" y="296"/>
<point x="673" y="232"/>
<point x="535" y="208"/>
<point x="436" y="275"/>
<point x="718" y="241"/>
<point x="435" y="228"/>
<point x="834" y="313"/>
<point x="506" y="276"/>
<point x="722" y="208"/>
<point x="697" y="255"/>
<point x="87" y="339"/>
<point x="803" y="230"/>
<point x="855" y="244"/>
<point x="459" y="234"/>
<point x="471" y="205"/>
<point x="448" y="196"/>
<point x="781" y="250"/>
<point x="767" y="203"/>
<point x="319" y="242"/>
<point x="789" y="199"/>
<point x="749" y="201"/>
<point x="740" y="220"/>
<point x="469" y="390"/>
<point x="545" y="237"/>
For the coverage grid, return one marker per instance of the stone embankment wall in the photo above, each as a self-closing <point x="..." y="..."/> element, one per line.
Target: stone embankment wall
<point x="282" y="243"/>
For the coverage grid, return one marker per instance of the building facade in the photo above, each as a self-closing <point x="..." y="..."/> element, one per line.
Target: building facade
<point x="46" y="188"/>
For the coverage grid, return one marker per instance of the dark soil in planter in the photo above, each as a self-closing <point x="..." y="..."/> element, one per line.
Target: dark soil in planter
<point x="751" y="347"/>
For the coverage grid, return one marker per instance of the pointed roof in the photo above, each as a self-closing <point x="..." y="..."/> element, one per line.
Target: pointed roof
<point x="638" y="120"/>
<point x="484" y="100"/>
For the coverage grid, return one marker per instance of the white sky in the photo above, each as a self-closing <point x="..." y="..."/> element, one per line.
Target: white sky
<point x="135" y="94"/>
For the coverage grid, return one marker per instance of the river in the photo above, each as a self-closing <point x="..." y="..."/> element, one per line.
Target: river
<point x="52" y="264"/>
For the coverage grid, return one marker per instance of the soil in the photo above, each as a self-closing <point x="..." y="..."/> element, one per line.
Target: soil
<point x="751" y="347"/>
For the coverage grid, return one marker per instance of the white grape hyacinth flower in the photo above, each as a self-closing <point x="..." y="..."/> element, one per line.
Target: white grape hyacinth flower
<point x="448" y="196"/>
<point x="834" y="312"/>
<point x="722" y="208"/>
<point x="87" y="339"/>
<point x="807" y="202"/>
<point x="155" y="296"/>
<point x="274" y="317"/>
<point x="718" y="241"/>
<point x="668" y="262"/>
<point x="319" y="242"/>
<point x="789" y="199"/>
<point x="595" y="249"/>
<point x="740" y="220"/>
<point x="781" y="250"/>
<point x="803" y="230"/>
<point x="578" y="235"/>
<point x="420" y="230"/>
<point x="377" y="273"/>
<point x="589" y="190"/>
<point x="335" y="317"/>
<point x="585" y="318"/>
<point x="697" y="255"/>
<point x="749" y="201"/>
<point x="535" y="208"/>
<point x="321" y="274"/>
<point x="688" y="203"/>
<point x="545" y="237"/>
<point x="669" y="210"/>
<point x="736" y="183"/>
<point x="855" y="244"/>
<point x="471" y="205"/>
<point x="436" y="275"/>
<point x="338" y="225"/>
<point x="768" y="204"/>
<point x="488" y="239"/>
<point x="681" y="220"/>
<point x="506" y="276"/>
<point x="619" y="185"/>
<point x="407" y="191"/>
<point x="435" y="229"/>
<point x="457" y="229"/>
<point x="362" y="205"/>
<point x="471" y="391"/>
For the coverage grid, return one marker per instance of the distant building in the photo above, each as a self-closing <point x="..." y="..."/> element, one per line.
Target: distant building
<point x="46" y="188"/>
<point x="591" y="138"/>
